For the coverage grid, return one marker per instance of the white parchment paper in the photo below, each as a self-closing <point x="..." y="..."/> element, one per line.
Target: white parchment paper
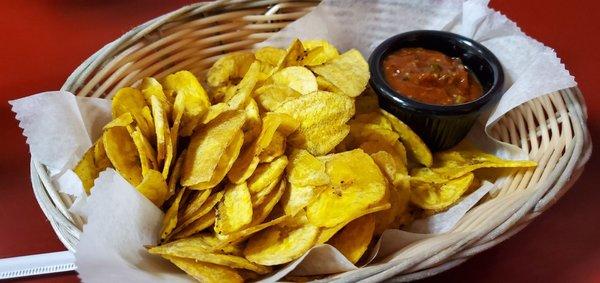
<point x="59" y="127"/>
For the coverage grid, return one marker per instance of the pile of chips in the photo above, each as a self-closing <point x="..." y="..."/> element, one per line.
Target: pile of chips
<point x="288" y="149"/>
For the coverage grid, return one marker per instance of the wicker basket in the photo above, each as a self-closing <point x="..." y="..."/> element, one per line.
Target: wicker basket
<point x="551" y="129"/>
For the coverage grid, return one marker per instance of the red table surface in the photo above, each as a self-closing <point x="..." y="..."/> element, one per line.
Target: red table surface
<point x="44" y="41"/>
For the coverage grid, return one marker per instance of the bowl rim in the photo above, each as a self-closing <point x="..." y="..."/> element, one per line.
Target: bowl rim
<point x="381" y="87"/>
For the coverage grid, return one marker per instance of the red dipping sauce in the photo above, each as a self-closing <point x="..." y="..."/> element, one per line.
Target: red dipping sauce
<point x="430" y="77"/>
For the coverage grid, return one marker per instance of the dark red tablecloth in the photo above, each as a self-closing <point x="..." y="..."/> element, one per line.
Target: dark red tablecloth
<point x="43" y="41"/>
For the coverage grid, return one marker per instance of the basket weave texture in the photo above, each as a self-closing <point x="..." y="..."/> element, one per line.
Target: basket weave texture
<point x="551" y="129"/>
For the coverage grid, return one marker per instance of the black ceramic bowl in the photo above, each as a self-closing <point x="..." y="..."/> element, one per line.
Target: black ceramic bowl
<point x="440" y="126"/>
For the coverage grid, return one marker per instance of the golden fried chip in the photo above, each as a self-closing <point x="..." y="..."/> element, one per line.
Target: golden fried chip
<point x="162" y="128"/>
<point x="196" y="100"/>
<point x="86" y="170"/>
<point x="393" y="171"/>
<point x="306" y="170"/>
<point x="197" y="200"/>
<point x="100" y="159"/>
<point x="229" y="67"/>
<point x="349" y="72"/>
<point x="354" y="239"/>
<point x="122" y="153"/>
<point x="455" y="163"/>
<point x="437" y="197"/>
<point x="123" y="120"/>
<point x="234" y="212"/>
<point x="173" y="179"/>
<point x="206" y="272"/>
<point x="297" y="78"/>
<point x="198" y="225"/>
<point x="275" y="149"/>
<point x="395" y="150"/>
<point x="297" y="197"/>
<point x="208" y="145"/>
<point x="266" y="174"/>
<point x="239" y="96"/>
<point x="327" y="233"/>
<point x="413" y="143"/>
<point x="374" y="118"/>
<point x="170" y="220"/>
<point x="259" y="197"/>
<point x="216" y="258"/>
<point x="278" y="245"/>
<point x="349" y="193"/>
<point x="325" y="85"/>
<point x="243" y="234"/>
<point x="367" y="102"/>
<point x="225" y="163"/>
<point x="151" y="87"/>
<point x="214" y="111"/>
<point x="319" y="52"/>
<point x="139" y="141"/>
<point x="131" y="100"/>
<point x="203" y="242"/>
<point x="253" y="123"/>
<point x="245" y="165"/>
<point x="154" y="187"/>
<point x="270" y="55"/>
<point x="203" y="210"/>
<point x="293" y="56"/>
<point x="323" y="116"/>
<point x="261" y="212"/>
<point x="270" y="97"/>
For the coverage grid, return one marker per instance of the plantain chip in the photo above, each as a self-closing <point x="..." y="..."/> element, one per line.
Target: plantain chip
<point x="170" y="220"/>
<point x="259" y="197"/>
<point x="297" y="198"/>
<point x="243" y="234"/>
<point x="123" y="120"/>
<point x="297" y="78"/>
<point x="206" y="207"/>
<point x="270" y="97"/>
<point x="325" y="85"/>
<point x="225" y="163"/>
<point x="86" y="170"/>
<point x="234" y="212"/>
<point x="216" y="258"/>
<point x="367" y="102"/>
<point x="323" y="116"/>
<point x="140" y="143"/>
<point x="208" y="145"/>
<point x="318" y="52"/>
<point x="438" y="197"/>
<point x="173" y="179"/>
<point x="239" y="96"/>
<point x="151" y="87"/>
<point x="100" y="159"/>
<point x="214" y="111"/>
<point x="261" y="212"/>
<point x="455" y="163"/>
<point x="154" y="187"/>
<point x="195" y="203"/>
<point x="278" y="245"/>
<point x="184" y="83"/>
<point x="327" y="233"/>
<point x="131" y="100"/>
<point x="229" y="67"/>
<point x="306" y="170"/>
<point x="270" y="55"/>
<point x="293" y="56"/>
<point x="349" y="72"/>
<point x="122" y="153"/>
<point x="349" y="193"/>
<point x="266" y="174"/>
<point x="249" y="159"/>
<point x="354" y="239"/>
<point x="415" y="146"/>
<point x="198" y="225"/>
<point x="275" y="149"/>
<point x="206" y="272"/>
<point x="253" y="123"/>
